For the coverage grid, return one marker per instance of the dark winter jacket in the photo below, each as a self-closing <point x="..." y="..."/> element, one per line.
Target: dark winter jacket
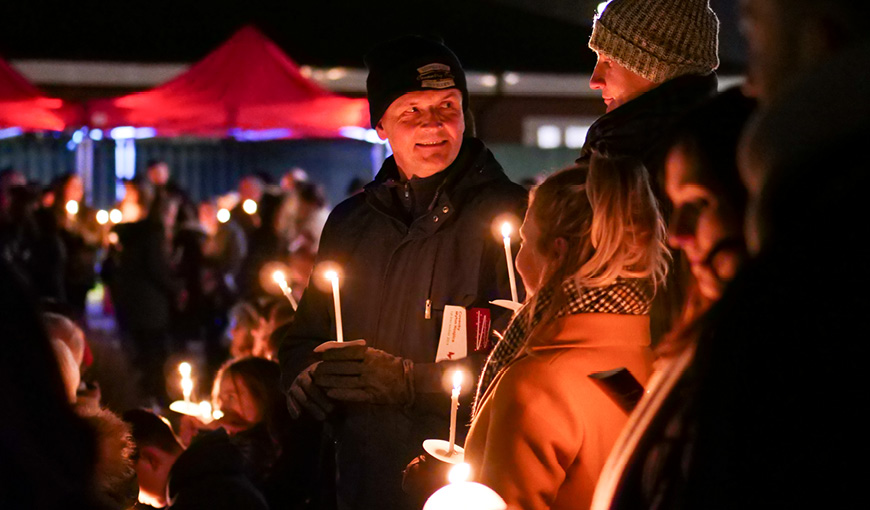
<point x="210" y="474"/>
<point x="143" y="287"/>
<point x="392" y="264"/>
<point x="641" y="128"/>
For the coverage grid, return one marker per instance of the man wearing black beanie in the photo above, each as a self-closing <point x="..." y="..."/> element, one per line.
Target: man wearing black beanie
<point x="415" y="241"/>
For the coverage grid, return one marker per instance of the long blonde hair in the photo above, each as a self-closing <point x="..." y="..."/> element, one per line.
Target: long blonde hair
<point x="606" y="212"/>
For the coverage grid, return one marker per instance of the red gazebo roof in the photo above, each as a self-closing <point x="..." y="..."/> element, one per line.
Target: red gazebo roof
<point x="246" y="83"/>
<point x="23" y="105"/>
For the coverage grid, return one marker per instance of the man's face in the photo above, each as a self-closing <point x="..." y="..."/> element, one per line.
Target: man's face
<point x="425" y="130"/>
<point x="618" y="85"/>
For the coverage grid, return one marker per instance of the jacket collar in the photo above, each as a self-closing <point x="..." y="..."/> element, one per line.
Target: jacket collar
<point x="588" y="330"/>
<point x="635" y="127"/>
<point x="475" y="165"/>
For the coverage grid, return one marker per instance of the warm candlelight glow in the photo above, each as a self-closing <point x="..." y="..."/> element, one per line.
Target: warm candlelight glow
<point x="116" y="216"/>
<point x="102" y="217"/>
<point x="249" y="206"/>
<point x="506" y="229"/>
<point x="187" y="388"/>
<point x="223" y="215"/>
<point x="72" y="207"/>
<point x="217" y="414"/>
<point x="279" y="278"/>
<point x="184" y="369"/>
<point x="331" y="275"/>
<point x="205" y="410"/>
<point x="457" y="380"/>
<point x="459" y="473"/>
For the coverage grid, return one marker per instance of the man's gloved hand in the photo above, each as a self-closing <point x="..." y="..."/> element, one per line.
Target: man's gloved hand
<point x="304" y="394"/>
<point x="362" y="374"/>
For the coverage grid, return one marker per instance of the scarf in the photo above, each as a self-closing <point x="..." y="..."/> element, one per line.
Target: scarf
<point x="625" y="296"/>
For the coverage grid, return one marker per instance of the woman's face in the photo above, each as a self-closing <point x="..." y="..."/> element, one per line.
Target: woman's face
<point x="530" y="261"/>
<point x="234" y="399"/>
<point x="703" y="226"/>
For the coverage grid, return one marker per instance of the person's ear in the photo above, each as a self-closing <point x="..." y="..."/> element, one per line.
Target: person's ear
<point x="382" y="133"/>
<point x="560" y="249"/>
<point x="151" y="456"/>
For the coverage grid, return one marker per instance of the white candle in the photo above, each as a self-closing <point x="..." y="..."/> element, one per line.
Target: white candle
<point x="332" y="276"/>
<point x="506" y="233"/>
<point x="454" y="407"/>
<point x="279" y="278"/>
<point x="186" y="382"/>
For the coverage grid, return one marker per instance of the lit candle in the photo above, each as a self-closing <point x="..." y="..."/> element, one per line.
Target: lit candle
<point x="249" y="206"/>
<point x="279" y="278"/>
<point x="102" y="217"/>
<point x="115" y="216"/>
<point x="454" y="407"/>
<point x="506" y="233"/>
<point x="72" y="207"/>
<point x="186" y="381"/>
<point x="332" y="276"/>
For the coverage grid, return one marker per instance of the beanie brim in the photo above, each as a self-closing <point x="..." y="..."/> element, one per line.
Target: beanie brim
<point x="640" y="61"/>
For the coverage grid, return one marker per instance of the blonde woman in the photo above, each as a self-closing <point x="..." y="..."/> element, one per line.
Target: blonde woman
<point x="593" y="254"/>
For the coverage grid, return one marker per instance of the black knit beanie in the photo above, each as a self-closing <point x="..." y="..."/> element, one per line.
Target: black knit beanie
<point x="408" y="64"/>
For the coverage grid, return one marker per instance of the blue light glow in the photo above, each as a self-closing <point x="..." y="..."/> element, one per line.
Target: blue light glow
<point x="10" y="132"/>
<point x="254" y="135"/>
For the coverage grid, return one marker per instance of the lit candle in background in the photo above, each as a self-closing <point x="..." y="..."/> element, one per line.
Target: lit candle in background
<point x="186" y="382"/>
<point x="116" y="216"/>
<point x="460" y="494"/>
<point x="281" y="280"/>
<point x="72" y="207"/>
<point x="102" y="217"/>
<point x="506" y="234"/>
<point x="223" y="215"/>
<point x="454" y="407"/>
<point x="332" y="276"/>
<point x="249" y="206"/>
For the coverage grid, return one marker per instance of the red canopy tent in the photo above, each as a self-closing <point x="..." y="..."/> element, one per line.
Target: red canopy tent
<point x="23" y="106"/>
<point x="247" y="83"/>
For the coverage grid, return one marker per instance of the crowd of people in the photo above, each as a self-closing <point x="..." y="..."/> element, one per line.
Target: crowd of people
<point x="670" y="344"/>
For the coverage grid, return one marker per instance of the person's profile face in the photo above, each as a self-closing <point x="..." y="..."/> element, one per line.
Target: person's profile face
<point x="234" y="398"/>
<point x="700" y="224"/>
<point x="530" y="261"/>
<point x="425" y="130"/>
<point x="617" y="84"/>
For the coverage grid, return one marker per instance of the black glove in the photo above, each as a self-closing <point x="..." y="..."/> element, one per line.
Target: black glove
<point x="357" y="373"/>
<point x="305" y="394"/>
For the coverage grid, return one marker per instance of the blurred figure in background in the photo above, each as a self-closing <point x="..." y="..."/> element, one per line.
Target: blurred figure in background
<point x="81" y="236"/>
<point x="145" y="290"/>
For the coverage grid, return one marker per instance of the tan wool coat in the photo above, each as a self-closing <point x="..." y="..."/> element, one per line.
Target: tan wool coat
<point x="544" y="429"/>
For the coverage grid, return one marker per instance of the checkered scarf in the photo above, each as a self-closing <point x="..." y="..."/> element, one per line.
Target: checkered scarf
<point x="625" y="296"/>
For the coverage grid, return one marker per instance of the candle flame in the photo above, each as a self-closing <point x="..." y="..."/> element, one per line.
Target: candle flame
<point x="116" y="216"/>
<point x="72" y="207"/>
<point x="249" y="206"/>
<point x="223" y="215"/>
<point x="217" y="414"/>
<point x="331" y="275"/>
<point x="102" y="217"/>
<point x="279" y="278"/>
<point x="184" y="369"/>
<point x="506" y="229"/>
<point x="459" y="473"/>
<point x="186" y="387"/>
<point x="457" y="380"/>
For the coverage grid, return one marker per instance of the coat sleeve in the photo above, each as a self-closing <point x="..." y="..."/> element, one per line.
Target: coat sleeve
<point x="533" y="435"/>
